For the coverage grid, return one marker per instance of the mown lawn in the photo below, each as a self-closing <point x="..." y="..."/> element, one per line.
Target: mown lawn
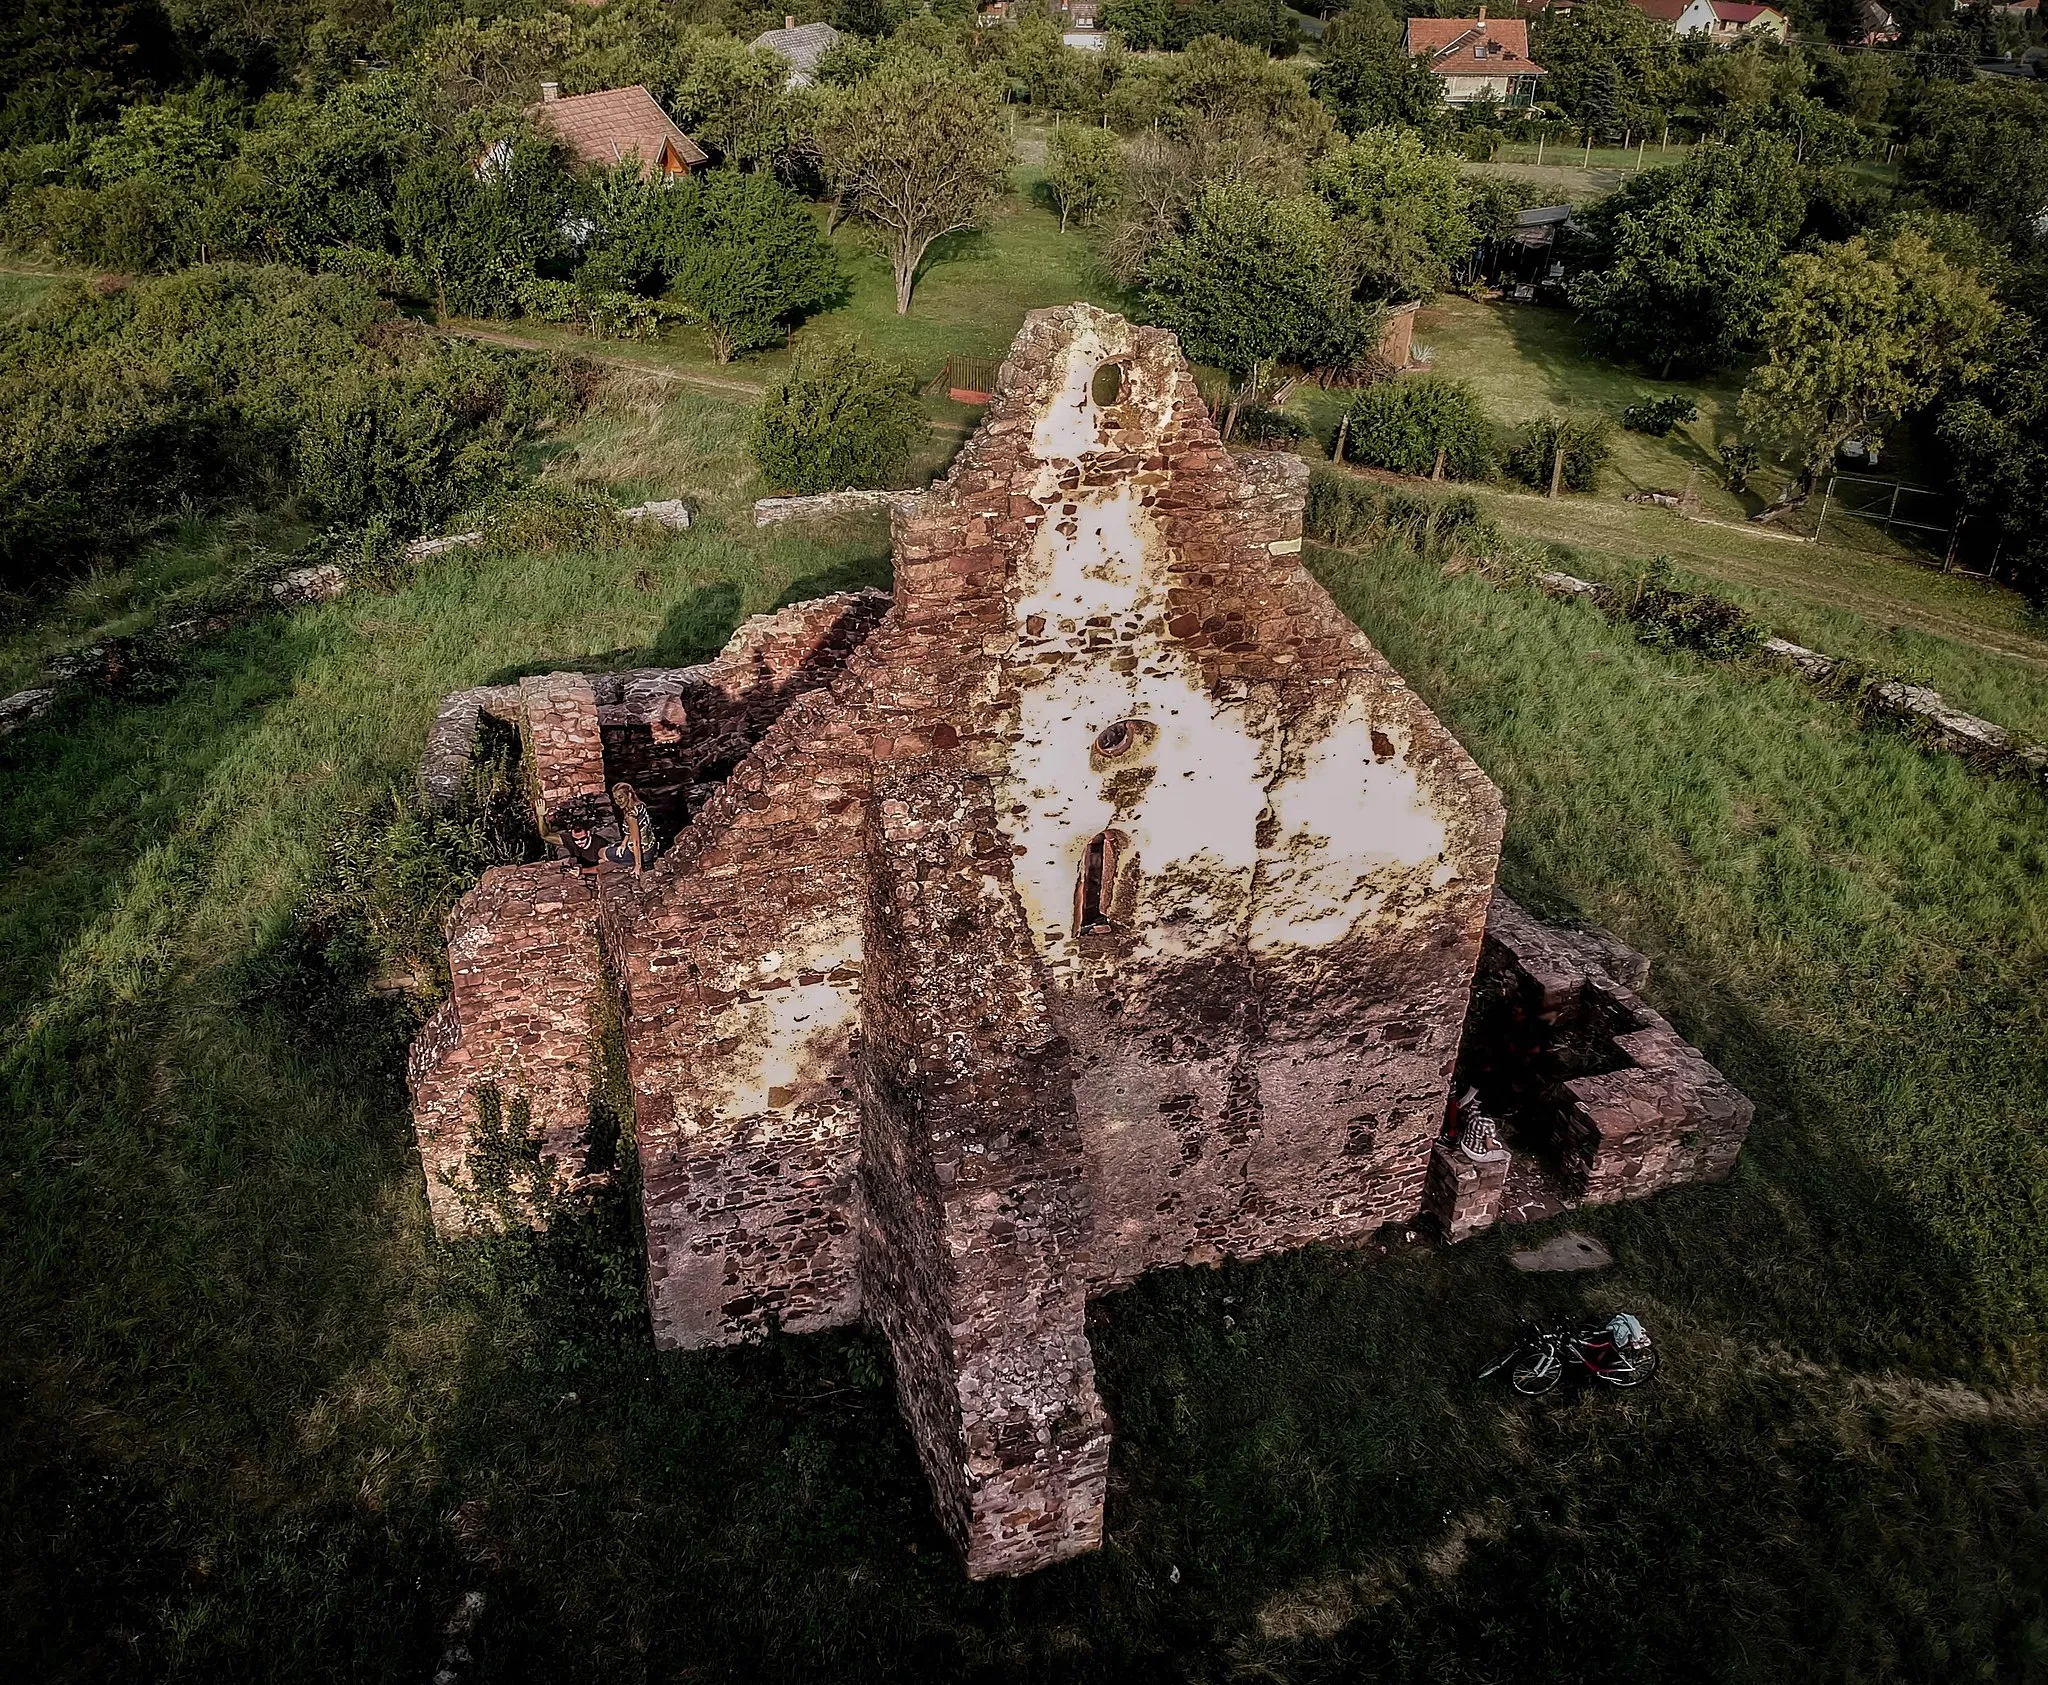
<point x="256" y="1423"/>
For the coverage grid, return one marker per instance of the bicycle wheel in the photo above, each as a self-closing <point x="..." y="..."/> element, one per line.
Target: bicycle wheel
<point x="1641" y="1367"/>
<point x="1535" y="1372"/>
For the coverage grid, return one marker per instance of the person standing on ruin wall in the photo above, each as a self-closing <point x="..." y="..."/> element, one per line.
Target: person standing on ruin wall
<point x="638" y="847"/>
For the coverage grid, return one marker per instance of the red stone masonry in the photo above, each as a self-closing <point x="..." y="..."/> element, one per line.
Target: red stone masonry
<point x="1107" y="903"/>
<point x="525" y="979"/>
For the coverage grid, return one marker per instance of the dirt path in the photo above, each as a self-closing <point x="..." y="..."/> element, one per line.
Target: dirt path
<point x="611" y="360"/>
<point x="724" y="385"/>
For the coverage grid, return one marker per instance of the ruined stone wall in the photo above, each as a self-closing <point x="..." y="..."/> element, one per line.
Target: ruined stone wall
<point x="1622" y="1103"/>
<point x="562" y="751"/>
<point x="1264" y="1032"/>
<point x="670" y="732"/>
<point x="526" y="978"/>
<point x="975" y="1192"/>
<point x="740" y="961"/>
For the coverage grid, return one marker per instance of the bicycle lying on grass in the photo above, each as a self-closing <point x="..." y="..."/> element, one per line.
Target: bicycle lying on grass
<point x="1616" y="1353"/>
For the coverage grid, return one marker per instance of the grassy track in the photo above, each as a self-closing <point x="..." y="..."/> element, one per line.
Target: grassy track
<point x="254" y="1423"/>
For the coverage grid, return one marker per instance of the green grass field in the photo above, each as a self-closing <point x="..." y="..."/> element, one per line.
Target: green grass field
<point x="256" y="1423"/>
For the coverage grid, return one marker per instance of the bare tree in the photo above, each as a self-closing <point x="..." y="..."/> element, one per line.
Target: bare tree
<point x="918" y="149"/>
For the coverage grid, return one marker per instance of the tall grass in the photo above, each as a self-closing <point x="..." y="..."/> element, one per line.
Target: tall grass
<point x="258" y="1424"/>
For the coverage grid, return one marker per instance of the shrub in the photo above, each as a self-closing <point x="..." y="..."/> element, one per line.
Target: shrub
<point x="1261" y="426"/>
<point x="1403" y="424"/>
<point x="841" y="417"/>
<point x="549" y="516"/>
<point x="1583" y="445"/>
<point x="1738" y="462"/>
<point x="1671" y="617"/>
<point x="119" y="408"/>
<point x="623" y="316"/>
<point x="395" y="871"/>
<point x="1660" y="416"/>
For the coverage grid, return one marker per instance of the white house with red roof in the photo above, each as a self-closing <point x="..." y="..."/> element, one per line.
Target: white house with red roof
<point x="1725" y="22"/>
<point x="1477" y="58"/>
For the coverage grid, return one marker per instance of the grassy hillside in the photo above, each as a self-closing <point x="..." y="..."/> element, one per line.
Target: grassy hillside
<point x="256" y="1423"/>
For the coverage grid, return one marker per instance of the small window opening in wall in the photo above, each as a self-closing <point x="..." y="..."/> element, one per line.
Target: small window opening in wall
<point x="1108" y="384"/>
<point x="1098" y="879"/>
<point x="1116" y="741"/>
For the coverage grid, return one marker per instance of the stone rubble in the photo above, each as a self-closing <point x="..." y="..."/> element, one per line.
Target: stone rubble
<point x="830" y="505"/>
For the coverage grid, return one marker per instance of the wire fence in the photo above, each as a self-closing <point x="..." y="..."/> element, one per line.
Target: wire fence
<point x="1929" y="520"/>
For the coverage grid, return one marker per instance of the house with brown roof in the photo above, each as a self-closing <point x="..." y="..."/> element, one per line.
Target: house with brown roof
<point x="604" y="129"/>
<point x="1664" y="11"/>
<point x="1477" y="59"/>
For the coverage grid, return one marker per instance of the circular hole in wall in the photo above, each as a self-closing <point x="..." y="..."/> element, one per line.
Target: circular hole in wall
<point x="1108" y="384"/>
<point x="1118" y="739"/>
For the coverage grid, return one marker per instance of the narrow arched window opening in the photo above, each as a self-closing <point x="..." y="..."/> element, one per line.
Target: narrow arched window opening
<point x="1095" y="897"/>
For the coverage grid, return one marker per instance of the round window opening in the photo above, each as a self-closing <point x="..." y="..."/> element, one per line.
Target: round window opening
<point x="1117" y="740"/>
<point x="1108" y="384"/>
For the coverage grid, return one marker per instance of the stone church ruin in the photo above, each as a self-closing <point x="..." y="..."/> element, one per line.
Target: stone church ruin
<point x="1101" y="902"/>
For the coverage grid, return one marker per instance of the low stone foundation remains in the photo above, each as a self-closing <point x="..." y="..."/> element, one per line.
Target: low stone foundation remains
<point x="1101" y="902"/>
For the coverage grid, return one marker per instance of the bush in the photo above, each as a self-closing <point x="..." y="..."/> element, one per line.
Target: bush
<point x="395" y="871"/>
<point x="1584" y="445"/>
<point x="1738" y="462"/>
<point x="1261" y="426"/>
<point x="119" y="407"/>
<point x="839" y="418"/>
<point x="1402" y="425"/>
<point x="1660" y="416"/>
<point x="1671" y="617"/>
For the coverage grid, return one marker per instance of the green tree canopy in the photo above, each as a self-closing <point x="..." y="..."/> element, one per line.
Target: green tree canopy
<point x="1083" y="171"/>
<point x="1858" y="339"/>
<point x="754" y="263"/>
<point x="1365" y="78"/>
<point x="1981" y="148"/>
<point x="917" y="149"/>
<point x="1402" y="212"/>
<point x="1611" y="65"/>
<point x="1254" y="280"/>
<point x="1996" y="436"/>
<point x="1683" y="259"/>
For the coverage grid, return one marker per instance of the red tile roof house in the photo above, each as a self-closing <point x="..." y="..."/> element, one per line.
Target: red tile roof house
<point x="607" y="128"/>
<point x="1725" y="22"/>
<point x="1477" y="59"/>
<point x="1664" y="11"/>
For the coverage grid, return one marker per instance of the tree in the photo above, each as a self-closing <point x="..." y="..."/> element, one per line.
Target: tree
<point x="840" y="417"/>
<point x="1402" y="212"/>
<point x="1084" y="170"/>
<point x="1979" y="149"/>
<point x="918" y="149"/>
<point x="1252" y="281"/>
<point x="1367" y="81"/>
<point x="1683" y="259"/>
<point x="755" y="262"/>
<point x="1611" y="66"/>
<point x="733" y="97"/>
<point x="1996" y="436"/>
<point x="1858" y="339"/>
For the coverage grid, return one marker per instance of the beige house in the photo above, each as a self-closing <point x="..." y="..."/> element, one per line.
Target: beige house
<point x="1477" y="59"/>
<point x="1725" y="22"/>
